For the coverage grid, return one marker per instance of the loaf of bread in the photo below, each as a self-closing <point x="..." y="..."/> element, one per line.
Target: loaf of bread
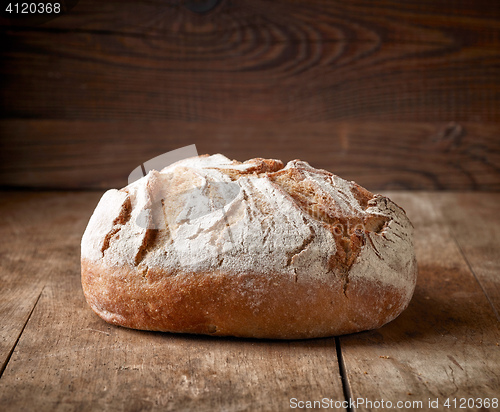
<point x="255" y="249"/>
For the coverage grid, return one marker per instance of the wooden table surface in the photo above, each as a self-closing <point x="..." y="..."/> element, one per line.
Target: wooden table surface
<point x="56" y="354"/>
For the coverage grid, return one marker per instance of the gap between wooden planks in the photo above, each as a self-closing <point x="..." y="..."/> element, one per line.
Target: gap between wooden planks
<point x="59" y="364"/>
<point x="68" y="358"/>
<point x="38" y="235"/>
<point x="444" y="345"/>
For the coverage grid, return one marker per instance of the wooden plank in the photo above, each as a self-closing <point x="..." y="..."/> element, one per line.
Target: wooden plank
<point x="38" y="232"/>
<point x="20" y="284"/>
<point x="257" y="60"/>
<point x="445" y="345"/>
<point x="409" y="20"/>
<point x="474" y="221"/>
<point x="17" y="300"/>
<point x="67" y="358"/>
<point x="377" y="155"/>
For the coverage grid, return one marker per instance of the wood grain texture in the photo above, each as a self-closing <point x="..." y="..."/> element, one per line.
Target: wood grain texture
<point x="257" y="60"/>
<point x="67" y="358"/>
<point x="82" y="362"/>
<point x="446" y="344"/>
<point x="37" y="237"/>
<point x="377" y="155"/>
<point x="475" y="225"/>
<point x="155" y="75"/>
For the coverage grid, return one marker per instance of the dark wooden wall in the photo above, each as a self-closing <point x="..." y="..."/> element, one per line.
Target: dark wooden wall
<point x="392" y="94"/>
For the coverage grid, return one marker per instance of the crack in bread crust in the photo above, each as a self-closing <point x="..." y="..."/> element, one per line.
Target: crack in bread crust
<point x="122" y="218"/>
<point x="348" y="228"/>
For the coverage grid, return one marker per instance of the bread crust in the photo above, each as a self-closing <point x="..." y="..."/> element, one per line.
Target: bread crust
<point x="243" y="305"/>
<point x="337" y="259"/>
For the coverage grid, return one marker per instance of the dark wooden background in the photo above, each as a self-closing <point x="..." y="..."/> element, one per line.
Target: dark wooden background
<point x="392" y="94"/>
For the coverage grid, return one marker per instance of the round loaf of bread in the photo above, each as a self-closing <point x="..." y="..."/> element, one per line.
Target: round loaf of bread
<point x="255" y="249"/>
